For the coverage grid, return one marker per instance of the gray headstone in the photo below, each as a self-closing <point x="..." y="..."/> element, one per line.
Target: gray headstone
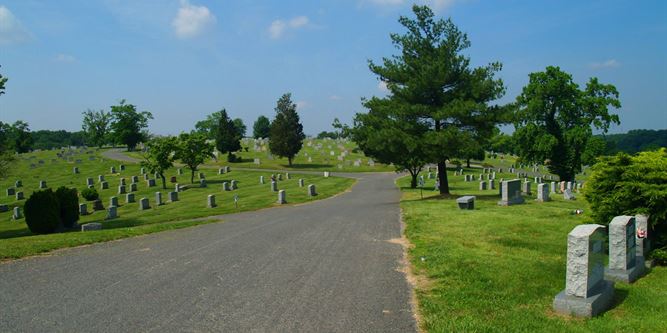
<point x="16" y="215"/>
<point x="122" y="181"/>
<point x="568" y="195"/>
<point x="510" y="193"/>
<point x="121" y="189"/>
<point x="113" y="170"/>
<point x="624" y="264"/>
<point x="179" y="171"/>
<point x="643" y="240"/>
<point x="586" y="292"/>
<point x="173" y="196"/>
<point x="543" y="193"/>
<point x="492" y="184"/>
<point x="142" y="171"/>
<point x="311" y="190"/>
<point x="113" y="201"/>
<point x="526" y="188"/>
<point x="552" y="187"/>
<point x="261" y="179"/>
<point x="133" y="187"/>
<point x="4" y="208"/>
<point x="143" y="204"/>
<point x="150" y="182"/>
<point x="42" y="184"/>
<point x="274" y="186"/>
<point x="287" y="176"/>
<point x="146" y="176"/>
<point x="90" y="181"/>
<point x="91" y="226"/>
<point x="280" y="177"/>
<point x="221" y="171"/>
<point x="282" y="198"/>
<point x="300" y="182"/>
<point x="129" y="198"/>
<point x="482" y="185"/>
<point x="466" y="202"/>
<point x="104" y="185"/>
<point x="158" y="199"/>
<point x="234" y="185"/>
<point x="18" y="184"/>
<point x="177" y="187"/>
<point x="11" y="191"/>
<point x="112" y="212"/>
<point x="75" y="170"/>
<point x="202" y="176"/>
<point x="135" y="179"/>
<point x="210" y="203"/>
<point x="100" y="178"/>
<point x="83" y="209"/>
<point x="122" y="167"/>
<point x="202" y="183"/>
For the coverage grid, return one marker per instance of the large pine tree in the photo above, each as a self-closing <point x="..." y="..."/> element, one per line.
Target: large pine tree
<point x="227" y="138"/>
<point x="286" y="130"/>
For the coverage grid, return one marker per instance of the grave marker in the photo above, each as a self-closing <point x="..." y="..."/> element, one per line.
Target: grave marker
<point x="511" y="193"/>
<point x="624" y="263"/>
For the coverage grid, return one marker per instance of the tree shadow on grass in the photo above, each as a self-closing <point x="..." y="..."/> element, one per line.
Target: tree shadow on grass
<point x="431" y="196"/>
<point x="307" y="166"/>
<point x="15" y="233"/>
<point x="619" y="297"/>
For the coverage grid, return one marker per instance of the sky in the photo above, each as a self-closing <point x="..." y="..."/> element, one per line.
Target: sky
<point x="184" y="59"/>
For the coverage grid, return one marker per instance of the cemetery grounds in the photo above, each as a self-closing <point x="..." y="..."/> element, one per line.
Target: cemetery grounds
<point x="499" y="268"/>
<point x="17" y="241"/>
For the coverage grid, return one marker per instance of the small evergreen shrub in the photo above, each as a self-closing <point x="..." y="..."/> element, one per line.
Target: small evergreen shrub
<point x="90" y="194"/>
<point x="42" y="212"/>
<point x="69" y="206"/>
<point x="456" y="163"/>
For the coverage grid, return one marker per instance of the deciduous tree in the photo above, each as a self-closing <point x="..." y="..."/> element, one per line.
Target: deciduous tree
<point x="96" y="125"/>
<point x="128" y="124"/>
<point x="193" y="151"/>
<point x="159" y="156"/>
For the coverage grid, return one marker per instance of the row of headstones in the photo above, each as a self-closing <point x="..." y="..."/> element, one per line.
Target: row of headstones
<point x="589" y="286"/>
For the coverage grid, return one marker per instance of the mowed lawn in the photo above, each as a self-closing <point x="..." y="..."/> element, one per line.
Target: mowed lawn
<point x="17" y="241"/>
<point x="318" y="150"/>
<point x="497" y="269"/>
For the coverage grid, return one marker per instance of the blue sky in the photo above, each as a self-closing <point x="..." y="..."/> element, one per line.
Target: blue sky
<point x="182" y="60"/>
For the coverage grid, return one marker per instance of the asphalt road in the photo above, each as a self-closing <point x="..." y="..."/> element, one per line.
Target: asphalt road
<point x="320" y="267"/>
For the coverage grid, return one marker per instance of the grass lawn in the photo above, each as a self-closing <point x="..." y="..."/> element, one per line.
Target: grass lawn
<point x="17" y="241"/>
<point x="318" y="150"/>
<point x="498" y="268"/>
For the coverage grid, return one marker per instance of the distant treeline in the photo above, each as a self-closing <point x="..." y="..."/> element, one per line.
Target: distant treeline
<point x="46" y="139"/>
<point x="635" y="141"/>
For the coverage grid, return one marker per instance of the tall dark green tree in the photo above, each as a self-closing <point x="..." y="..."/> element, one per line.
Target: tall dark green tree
<point x="96" y="125"/>
<point x="3" y="80"/>
<point x="20" y="137"/>
<point x="431" y="82"/>
<point x="286" y="130"/>
<point x="193" y="150"/>
<point x="261" y="128"/>
<point x="554" y="119"/>
<point x="159" y="158"/>
<point x="228" y="138"/>
<point x="241" y="128"/>
<point x="127" y="124"/>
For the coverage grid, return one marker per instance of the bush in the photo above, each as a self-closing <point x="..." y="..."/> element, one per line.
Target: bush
<point x="69" y="206"/>
<point x="630" y="185"/>
<point x="90" y="194"/>
<point x="42" y="212"/>
<point x="456" y="163"/>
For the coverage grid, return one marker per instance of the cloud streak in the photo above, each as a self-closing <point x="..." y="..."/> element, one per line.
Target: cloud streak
<point x="192" y="20"/>
<point x="11" y="29"/>
<point x="278" y="28"/>
<point x="611" y="63"/>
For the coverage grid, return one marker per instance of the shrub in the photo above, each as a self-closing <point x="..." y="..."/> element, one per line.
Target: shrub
<point x="630" y="185"/>
<point x="69" y="206"/>
<point x="42" y="212"/>
<point x="90" y="194"/>
<point x="456" y="163"/>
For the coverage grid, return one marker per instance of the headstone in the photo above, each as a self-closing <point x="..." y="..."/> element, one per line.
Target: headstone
<point x="135" y="179"/>
<point x="143" y="204"/>
<point x="643" y="240"/>
<point x="83" y="209"/>
<point x="142" y="171"/>
<point x="569" y="186"/>
<point x="586" y="292"/>
<point x="104" y="185"/>
<point x="511" y="193"/>
<point x="492" y="184"/>
<point x="113" y="170"/>
<point x="225" y="186"/>
<point x="11" y="191"/>
<point x="121" y="189"/>
<point x="274" y="186"/>
<point x="97" y="205"/>
<point x="16" y="215"/>
<point x="482" y="185"/>
<point x="100" y="178"/>
<point x="122" y="181"/>
<point x="202" y="183"/>
<point x="113" y="201"/>
<point x="42" y="184"/>
<point x="90" y="181"/>
<point x="221" y="171"/>
<point x="543" y="193"/>
<point x="18" y="184"/>
<point x="287" y="176"/>
<point x="146" y="176"/>
<point x="158" y="199"/>
<point x="567" y="194"/>
<point x="280" y="177"/>
<point x="234" y="185"/>
<point x="179" y="171"/>
<point x="261" y="179"/>
<point x="282" y="197"/>
<point x="326" y="174"/>
<point x="150" y="182"/>
<point x="624" y="263"/>
<point x="91" y="226"/>
<point x="562" y="187"/>
<point x="466" y="202"/>
<point x="226" y="169"/>
<point x="173" y="196"/>
<point x="552" y="187"/>
<point x="526" y="188"/>
<point x="210" y="203"/>
<point x="112" y="212"/>
<point x="300" y="182"/>
<point x="129" y="198"/>
<point x="4" y="208"/>
<point x="202" y="176"/>
<point x="311" y="190"/>
<point x="133" y="187"/>
<point x="75" y="170"/>
<point x="122" y="167"/>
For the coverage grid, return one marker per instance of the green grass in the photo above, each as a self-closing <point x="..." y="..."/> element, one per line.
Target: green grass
<point x="321" y="159"/>
<point x="17" y="241"/>
<point x="498" y="268"/>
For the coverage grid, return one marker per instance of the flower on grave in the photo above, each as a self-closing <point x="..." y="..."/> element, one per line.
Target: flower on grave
<point x="641" y="233"/>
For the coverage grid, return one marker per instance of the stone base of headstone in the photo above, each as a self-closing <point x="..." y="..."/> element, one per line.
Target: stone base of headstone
<point x="466" y="202"/>
<point x="627" y="275"/>
<point x="585" y="307"/>
<point x="91" y="226"/>
<point x="514" y="201"/>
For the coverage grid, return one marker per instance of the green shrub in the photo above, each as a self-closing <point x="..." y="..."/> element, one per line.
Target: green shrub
<point x="42" y="212"/>
<point x="456" y="163"/>
<point x="90" y="194"/>
<point x="660" y="256"/>
<point x="630" y="185"/>
<point x="69" y="206"/>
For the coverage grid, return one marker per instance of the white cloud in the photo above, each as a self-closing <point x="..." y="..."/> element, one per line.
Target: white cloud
<point x="11" y="29"/>
<point x="65" y="58"/>
<point x="301" y="105"/>
<point x="611" y="63"/>
<point x="278" y="28"/>
<point x="382" y="86"/>
<point x="439" y="5"/>
<point x="191" y="20"/>
<point x="436" y="5"/>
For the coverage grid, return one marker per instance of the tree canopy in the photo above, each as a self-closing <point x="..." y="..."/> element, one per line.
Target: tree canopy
<point x="128" y="124"/>
<point x="227" y="138"/>
<point x="261" y="128"/>
<point x="96" y="125"/>
<point x="193" y="150"/>
<point x="554" y="119"/>
<point x="241" y="128"/>
<point x="432" y="84"/>
<point x="158" y="158"/>
<point x="3" y="80"/>
<point x="286" y="130"/>
<point x="209" y="126"/>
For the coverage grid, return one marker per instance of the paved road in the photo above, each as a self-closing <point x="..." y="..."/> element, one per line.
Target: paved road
<point x="320" y="267"/>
